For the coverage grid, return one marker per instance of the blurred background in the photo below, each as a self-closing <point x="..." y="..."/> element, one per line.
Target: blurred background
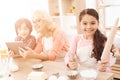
<point x="64" y="13"/>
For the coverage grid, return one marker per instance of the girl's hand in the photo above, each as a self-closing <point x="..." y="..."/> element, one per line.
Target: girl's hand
<point x="102" y="66"/>
<point x="73" y="64"/>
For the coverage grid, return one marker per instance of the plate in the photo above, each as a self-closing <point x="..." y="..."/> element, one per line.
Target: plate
<point x="37" y="66"/>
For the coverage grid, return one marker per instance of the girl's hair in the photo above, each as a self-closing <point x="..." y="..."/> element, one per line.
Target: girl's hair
<point x="20" y="21"/>
<point x="99" y="39"/>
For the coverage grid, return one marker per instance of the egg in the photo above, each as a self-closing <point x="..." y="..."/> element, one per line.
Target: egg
<point x="52" y="78"/>
<point x="62" y="78"/>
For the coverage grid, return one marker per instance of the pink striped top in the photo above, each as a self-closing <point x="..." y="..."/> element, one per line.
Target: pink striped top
<point x="60" y="43"/>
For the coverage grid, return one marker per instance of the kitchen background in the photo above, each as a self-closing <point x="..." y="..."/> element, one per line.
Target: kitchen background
<point x="64" y="13"/>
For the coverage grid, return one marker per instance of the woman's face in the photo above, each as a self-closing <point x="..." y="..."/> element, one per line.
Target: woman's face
<point x="23" y="31"/>
<point x="89" y="25"/>
<point x="40" y="28"/>
<point x="36" y="24"/>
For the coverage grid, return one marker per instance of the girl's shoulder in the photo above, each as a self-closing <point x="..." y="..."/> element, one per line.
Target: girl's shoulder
<point x="78" y="37"/>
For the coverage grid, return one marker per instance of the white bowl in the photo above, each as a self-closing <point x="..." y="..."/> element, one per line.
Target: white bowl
<point x="89" y="73"/>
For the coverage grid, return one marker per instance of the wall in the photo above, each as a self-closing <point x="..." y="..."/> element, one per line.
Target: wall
<point x="66" y="4"/>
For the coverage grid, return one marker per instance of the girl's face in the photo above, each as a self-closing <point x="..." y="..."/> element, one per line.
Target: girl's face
<point x="23" y="31"/>
<point x="89" y="25"/>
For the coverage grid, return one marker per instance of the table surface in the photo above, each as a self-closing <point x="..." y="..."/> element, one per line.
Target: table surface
<point x="50" y="67"/>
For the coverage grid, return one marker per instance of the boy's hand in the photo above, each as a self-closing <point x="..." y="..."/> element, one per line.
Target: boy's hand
<point x="27" y="52"/>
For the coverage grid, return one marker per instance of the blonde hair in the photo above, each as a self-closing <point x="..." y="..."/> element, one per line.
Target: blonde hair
<point x="42" y="15"/>
<point x="45" y="18"/>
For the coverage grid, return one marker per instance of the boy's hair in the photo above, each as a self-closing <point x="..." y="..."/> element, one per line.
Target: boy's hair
<point x="20" y="21"/>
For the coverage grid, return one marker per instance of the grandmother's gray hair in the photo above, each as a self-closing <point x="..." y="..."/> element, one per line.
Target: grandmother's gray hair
<point x="45" y="19"/>
<point x="41" y="15"/>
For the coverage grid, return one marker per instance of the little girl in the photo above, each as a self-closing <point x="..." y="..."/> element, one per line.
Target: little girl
<point x="88" y="46"/>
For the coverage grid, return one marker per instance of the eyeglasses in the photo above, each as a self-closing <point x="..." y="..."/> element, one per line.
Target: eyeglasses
<point x="36" y="21"/>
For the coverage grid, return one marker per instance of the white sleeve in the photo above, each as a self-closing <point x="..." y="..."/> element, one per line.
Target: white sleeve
<point x="112" y="59"/>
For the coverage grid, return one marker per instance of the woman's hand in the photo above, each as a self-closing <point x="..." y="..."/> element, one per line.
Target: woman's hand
<point x="102" y="66"/>
<point x="26" y="53"/>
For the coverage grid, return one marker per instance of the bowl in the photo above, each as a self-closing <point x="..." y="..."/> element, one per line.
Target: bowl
<point x="72" y="74"/>
<point x="89" y="74"/>
<point x="37" y="66"/>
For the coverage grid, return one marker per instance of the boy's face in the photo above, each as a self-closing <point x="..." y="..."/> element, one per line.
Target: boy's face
<point x="23" y="31"/>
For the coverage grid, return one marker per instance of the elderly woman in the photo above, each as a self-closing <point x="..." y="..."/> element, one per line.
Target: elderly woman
<point x="45" y="27"/>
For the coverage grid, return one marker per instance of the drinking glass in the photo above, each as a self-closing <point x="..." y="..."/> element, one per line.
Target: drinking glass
<point x="4" y="61"/>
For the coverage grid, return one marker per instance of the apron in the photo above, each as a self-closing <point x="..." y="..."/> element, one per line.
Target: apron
<point x="47" y="44"/>
<point x="84" y="57"/>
